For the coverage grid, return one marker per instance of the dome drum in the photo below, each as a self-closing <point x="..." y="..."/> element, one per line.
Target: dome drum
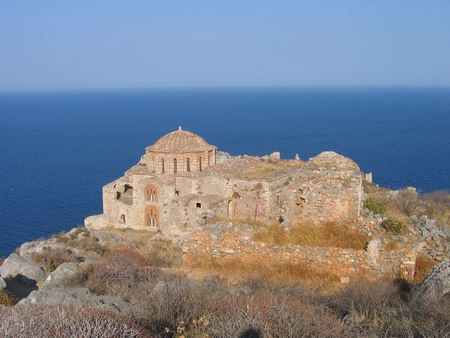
<point x="180" y="151"/>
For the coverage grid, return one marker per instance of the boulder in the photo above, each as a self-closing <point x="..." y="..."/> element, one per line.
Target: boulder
<point x="63" y="272"/>
<point x="434" y="287"/>
<point x="16" y="265"/>
<point x="2" y="284"/>
<point x="27" y="249"/>
<point x="75" y="297"/>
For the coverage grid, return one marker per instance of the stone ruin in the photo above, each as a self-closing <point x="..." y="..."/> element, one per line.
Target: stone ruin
<point x="182" y="179"/>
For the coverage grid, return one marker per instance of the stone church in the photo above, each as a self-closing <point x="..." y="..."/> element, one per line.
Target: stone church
<point x="181" y="180"/>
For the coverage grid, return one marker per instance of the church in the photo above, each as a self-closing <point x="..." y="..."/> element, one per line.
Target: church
<point x="182" y="180"/>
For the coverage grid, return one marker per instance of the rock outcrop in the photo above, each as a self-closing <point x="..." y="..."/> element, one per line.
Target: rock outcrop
<point x="16" y="265"/>
<point x="65" y="271"/>
<point x="435" y="287"/>
<point x="74" y="296"/>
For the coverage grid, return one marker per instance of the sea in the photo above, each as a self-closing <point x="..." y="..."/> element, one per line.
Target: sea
<point x="58" y="148"/>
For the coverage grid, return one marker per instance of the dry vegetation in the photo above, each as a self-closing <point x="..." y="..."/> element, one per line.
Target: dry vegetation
<point x="167" y="304"/>
<point x="266" y="270"/>
<point x="407" y="203"/>
<point x="423" y="266"/>
<point x="271" y="167"/>
<point x="7" y="299"/>
<point x="61" y="321"/>
<point x="328" y="235"/>
<point x="51" y="258"/>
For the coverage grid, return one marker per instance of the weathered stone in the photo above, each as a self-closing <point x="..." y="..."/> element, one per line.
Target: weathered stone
<point x="434" y="287"/>
<point x="373" y="250"/>
<point x="16" y="265"/>
<point x="74" y="296"/>
<point x="2" y="284"/>
<point x="65" y="271"/>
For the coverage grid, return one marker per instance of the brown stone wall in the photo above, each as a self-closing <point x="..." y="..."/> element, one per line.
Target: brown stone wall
<point x="233" y="242"/>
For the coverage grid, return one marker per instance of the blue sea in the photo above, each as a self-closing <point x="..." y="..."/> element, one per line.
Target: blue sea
<point x="57" y="149"/>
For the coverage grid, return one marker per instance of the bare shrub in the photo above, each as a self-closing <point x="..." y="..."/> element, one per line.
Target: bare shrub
<point x="116" y="273"/>
<point x="328" y="235"/>
<point x="176" y="305"/>
<point x="89" y="244"/>
<point x="2" y="260"/>
<point x="64" y="321"/>
<point x="271" y="316"/>
<point x="407" y="201"/>
<point x="50" y="258"/>
<point x="437" y="206"/>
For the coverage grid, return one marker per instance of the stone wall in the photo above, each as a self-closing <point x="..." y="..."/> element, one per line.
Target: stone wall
<point x="222" y="240"/>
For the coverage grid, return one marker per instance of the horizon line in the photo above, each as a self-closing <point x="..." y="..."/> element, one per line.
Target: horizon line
<point x="81" y="89"/>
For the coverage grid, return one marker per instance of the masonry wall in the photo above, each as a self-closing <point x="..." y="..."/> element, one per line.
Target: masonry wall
<point x="233" y="242"/>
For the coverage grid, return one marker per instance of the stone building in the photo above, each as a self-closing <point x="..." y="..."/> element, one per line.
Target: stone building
<point x="181" y="180"/>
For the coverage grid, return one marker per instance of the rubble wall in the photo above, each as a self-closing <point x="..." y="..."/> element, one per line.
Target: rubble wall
<point x="227" y="241"/>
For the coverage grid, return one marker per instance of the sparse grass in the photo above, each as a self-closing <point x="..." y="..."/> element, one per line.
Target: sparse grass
<point x="437" y="206"/>
<point x="328" y="235"/>
<point x="423" y="266"/>
<point x="264" y="172"/>
<point x="163" y="253"/>
<point x="267" y="270"/>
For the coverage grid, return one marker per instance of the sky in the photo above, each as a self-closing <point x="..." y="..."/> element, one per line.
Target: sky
<point x="143" y="44"/>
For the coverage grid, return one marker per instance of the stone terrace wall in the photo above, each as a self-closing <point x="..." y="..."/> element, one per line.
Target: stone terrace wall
<point x="225" y="240"/>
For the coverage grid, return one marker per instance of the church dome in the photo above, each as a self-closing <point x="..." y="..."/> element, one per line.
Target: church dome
<point x="180" y="141"/>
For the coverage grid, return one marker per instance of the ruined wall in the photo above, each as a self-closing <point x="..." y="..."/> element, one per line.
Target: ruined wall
<point x="328" y="189"/>
<point x="229" y="241"/>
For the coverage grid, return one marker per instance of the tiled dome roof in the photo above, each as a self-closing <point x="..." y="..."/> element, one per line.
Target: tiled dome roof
<point x="180" y="141"/>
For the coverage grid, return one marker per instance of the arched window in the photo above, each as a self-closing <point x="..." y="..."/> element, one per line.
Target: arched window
<point x="188" y="164"/>
<point x="162" y="165"/>
<point x="200" y="164"/>
<point x="151" y="193"/>
<point x="175" y="165"/>
<point x="151" y="216"/>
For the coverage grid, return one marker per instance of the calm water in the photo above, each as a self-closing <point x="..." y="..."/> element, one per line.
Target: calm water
<point x="59" y="149"/>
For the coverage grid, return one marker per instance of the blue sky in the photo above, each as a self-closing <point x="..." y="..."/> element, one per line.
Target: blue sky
<point x="121" y="44"/>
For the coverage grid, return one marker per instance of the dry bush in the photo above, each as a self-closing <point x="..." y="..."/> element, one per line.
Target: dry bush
<point x="423" y="266"/>
<point x="393" y="226"/>
<point x="407" y="200"/>
<point x="51" y="258"/>
<point x="116" y="273"/>
<point x="176" y="305"/>
<point x="7" y="299"/>
<point x="267" y="270"/>
<point x="89" y="244"/>
<point x="328" y="236"/>
<point x="64" y="321"/>
<point x="272" y="316"/>
<point x="163" y="253"/>
<point x="2" y="260"/>
<point x="437" y="206"/>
